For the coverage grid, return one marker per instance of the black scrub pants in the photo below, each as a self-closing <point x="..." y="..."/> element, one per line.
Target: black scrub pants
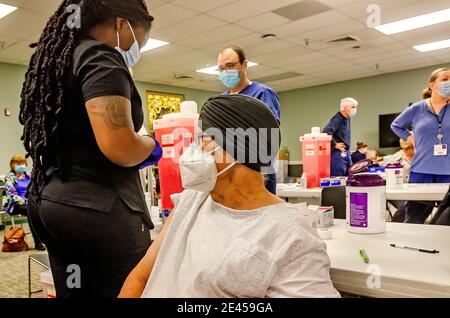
<point x="86" y="246"/>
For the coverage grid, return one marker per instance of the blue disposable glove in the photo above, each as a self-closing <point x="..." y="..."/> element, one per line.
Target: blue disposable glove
<point x="155" y="156"/>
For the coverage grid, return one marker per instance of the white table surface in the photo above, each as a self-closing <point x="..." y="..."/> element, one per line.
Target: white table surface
<point x="404" y="273"/>
<point x="408" y="192"/>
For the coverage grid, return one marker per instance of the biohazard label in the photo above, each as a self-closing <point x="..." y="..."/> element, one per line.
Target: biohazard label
<point x="167" y="139"/>
<point x="168" y="152"/>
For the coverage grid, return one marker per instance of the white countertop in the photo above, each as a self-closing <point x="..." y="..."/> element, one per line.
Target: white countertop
<point x="411" y="192"/>
<point x="403" y="273"/>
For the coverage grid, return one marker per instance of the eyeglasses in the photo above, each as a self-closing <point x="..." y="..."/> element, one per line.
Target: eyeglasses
<point x="227" y="66"/>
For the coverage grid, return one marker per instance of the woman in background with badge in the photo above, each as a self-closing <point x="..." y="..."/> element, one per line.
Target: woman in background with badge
<point x="427" y="125"/>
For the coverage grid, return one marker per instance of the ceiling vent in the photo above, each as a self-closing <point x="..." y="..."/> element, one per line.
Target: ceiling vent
<point x="348" y="39"/>
<point x="301" y="10"/>
<point x="182" y="77"/>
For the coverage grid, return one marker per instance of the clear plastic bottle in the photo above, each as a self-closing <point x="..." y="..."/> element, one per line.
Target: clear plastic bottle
<point x="303" y="182"/>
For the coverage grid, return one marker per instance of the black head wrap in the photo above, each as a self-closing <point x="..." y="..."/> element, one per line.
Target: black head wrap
<point x="245" y="128"/>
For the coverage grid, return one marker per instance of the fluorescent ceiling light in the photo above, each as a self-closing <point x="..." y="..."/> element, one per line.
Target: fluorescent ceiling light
<point x="413" y="23"/>
<point x="6" y="9"/>
<point x="153" y="44"/>
<point x="213" y="70"/>
<point x="433" y="46"/>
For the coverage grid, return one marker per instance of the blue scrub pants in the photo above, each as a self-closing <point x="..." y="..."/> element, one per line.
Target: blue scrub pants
<point x="271" y="183"/>
<point x="418" y="212"/>
<point x="339" y="165"/>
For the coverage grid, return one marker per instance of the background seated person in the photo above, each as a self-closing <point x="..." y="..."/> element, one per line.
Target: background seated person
<point x="404" y="157"/>
<point x="16" y="184"/>
<point x="360" y="153"/>
<point x="228" y="236"/>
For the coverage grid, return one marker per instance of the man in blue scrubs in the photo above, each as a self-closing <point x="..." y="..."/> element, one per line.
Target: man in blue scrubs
<point x="233" y="70"/>
<point x="339" y="129"/>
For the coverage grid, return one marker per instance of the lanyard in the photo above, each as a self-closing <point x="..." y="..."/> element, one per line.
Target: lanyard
<point x="440" y="135"/>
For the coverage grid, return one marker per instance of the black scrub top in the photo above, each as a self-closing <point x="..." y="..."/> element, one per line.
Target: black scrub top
<point x="77" y="172"/>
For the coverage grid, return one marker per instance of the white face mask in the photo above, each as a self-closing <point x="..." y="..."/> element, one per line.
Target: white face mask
<point x="353" y="112"/>
<point x="133" y="55"/>
<point x="198" y="170"/>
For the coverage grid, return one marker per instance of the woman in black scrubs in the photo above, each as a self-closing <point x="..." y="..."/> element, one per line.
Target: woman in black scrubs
<point x="81" y="113"/>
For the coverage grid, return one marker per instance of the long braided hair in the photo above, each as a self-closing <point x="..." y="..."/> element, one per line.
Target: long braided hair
<point x="42" y="98"/>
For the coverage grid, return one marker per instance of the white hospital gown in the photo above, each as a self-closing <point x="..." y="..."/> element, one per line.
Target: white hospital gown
<point x="211" y="251"/>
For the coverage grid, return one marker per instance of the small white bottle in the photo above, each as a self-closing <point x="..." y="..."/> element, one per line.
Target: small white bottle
<point x="303" y="182"/>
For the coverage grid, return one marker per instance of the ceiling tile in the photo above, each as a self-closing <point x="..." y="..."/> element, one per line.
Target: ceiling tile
<point x="220" y="35"/>
<point x="243" y="9"/>
<point x="191" y="27"/>
<point x="337" y="3"/>
<point x="307" y="24"/>
<point x="359" y="9"/>
<point x="152" y="4"/>
<point x="268" y="47"/>
<point x="202" y="5"/>
<point x="169" y="14"/>
<point x="280" y="55"/>
<point x="328" y="33"/>
<point x="47" y="6"/>
<point x="13" y="25"/>
<point x="294" y="63"/>
<point x="263" y="21"/>
<point x="245" y="42"/>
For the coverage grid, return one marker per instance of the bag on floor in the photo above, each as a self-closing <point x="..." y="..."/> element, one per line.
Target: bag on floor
<point x="14" y="240"/>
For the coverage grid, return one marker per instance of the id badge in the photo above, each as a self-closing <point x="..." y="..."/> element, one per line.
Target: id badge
<point x="440" y="150"/>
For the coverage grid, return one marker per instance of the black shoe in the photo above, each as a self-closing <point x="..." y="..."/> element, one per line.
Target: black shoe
<point x="40" y="247"/>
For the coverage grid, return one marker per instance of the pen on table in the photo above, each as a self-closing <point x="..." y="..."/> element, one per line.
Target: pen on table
<point x="364" y="256"/>
<point x="424" y="250"/>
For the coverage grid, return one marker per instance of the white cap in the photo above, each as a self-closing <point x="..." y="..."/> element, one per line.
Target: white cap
<point x="189" y="107"/>
<point x="315" y="131"/>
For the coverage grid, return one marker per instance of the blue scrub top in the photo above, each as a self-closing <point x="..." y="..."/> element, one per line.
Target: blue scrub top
<point x="357" y="156"/>
<point x="21" y="186"/>
<point x="421" y="120"/>
<point x="339" y="129"/>
<point x="265" y="94"/>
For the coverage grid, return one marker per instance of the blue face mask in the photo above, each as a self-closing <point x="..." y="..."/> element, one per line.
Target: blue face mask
<point x="133" y="55"/>
<point x="21" y="169"/>
<point x="230" y="78"/>
<point x="444" y="89"/>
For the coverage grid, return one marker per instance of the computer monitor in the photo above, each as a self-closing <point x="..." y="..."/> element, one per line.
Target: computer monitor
<point x="388" y="138"/>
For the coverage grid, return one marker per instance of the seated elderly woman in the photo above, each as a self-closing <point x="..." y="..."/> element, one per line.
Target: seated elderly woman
<point x="228" y="236"/>
<point x="16" y="184"/>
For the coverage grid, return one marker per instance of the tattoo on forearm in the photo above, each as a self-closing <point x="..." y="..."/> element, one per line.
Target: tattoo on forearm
<point x="115" y="115"/>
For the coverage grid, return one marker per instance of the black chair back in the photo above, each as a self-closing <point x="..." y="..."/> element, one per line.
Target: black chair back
<point x="442" y="216"/>
<point x="336" y="197"/>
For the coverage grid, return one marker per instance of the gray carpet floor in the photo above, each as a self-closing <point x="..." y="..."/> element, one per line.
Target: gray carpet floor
<point x="14" y="271"/>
